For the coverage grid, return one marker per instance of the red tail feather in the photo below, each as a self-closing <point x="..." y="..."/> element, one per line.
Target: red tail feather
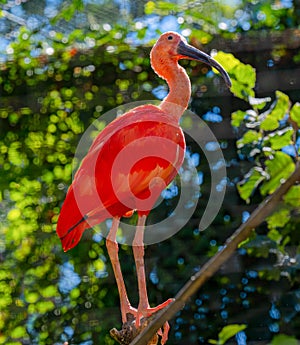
<point x="71" y="222"/>
<point x="73" y="236"/>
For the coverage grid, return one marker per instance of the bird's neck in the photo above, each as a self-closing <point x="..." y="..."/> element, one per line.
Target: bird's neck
<point x="178" y="81"/>
<point x="179" y="95"/>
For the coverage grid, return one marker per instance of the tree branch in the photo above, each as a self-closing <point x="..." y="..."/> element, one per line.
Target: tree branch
<point x="208" y="270"/>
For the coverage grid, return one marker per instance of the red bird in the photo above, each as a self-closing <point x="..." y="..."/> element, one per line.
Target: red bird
<point x="129" y="164"/>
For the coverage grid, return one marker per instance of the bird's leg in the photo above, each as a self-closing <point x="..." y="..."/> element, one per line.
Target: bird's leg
<point x="144" y="309"/>
<point x="164" y="333"/>
<point x="112" y="249"/>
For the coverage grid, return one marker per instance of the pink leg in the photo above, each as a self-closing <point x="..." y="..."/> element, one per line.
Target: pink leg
<point x="164" y="333"/>
<point x="144" y="309"/>
<point x="112" y="249"/>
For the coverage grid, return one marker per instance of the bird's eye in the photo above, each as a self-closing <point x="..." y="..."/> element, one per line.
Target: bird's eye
<point x="170" y="38"/>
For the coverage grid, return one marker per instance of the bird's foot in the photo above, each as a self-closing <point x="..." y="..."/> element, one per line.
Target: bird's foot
<point x="128" y="313"/>
<point x="164" y="333"/>
<point x="129" y="331"/>
<point x="135" y="320"/>
<point x="147" y="312"/>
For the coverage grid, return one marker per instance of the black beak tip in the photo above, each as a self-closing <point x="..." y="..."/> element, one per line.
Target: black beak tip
<point x="228" y="82"/>
<point x="192" y="53"/>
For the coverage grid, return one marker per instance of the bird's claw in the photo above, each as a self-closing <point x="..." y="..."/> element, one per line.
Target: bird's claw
<point x="164" y="332"/>
<point x="141" y="314"/>
<point x="147" y="312"/>
<point x="129" y="314"/>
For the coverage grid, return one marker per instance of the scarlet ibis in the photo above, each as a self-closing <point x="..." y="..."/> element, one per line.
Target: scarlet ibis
<point x="151" y="138"/>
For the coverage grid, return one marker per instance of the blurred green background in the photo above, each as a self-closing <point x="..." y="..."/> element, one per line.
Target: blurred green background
<point x="65" y="63"/>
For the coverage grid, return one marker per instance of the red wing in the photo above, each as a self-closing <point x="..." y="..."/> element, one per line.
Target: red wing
<point x="128" y="165"/>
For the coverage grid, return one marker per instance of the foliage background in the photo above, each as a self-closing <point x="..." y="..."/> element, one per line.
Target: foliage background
<point x="63" y="64"/>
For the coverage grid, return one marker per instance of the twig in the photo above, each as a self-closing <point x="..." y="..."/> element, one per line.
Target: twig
<point x="196" y="281"/>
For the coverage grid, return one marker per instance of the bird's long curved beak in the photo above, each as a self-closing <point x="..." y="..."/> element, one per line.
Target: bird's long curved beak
<point x="192" y="53"/>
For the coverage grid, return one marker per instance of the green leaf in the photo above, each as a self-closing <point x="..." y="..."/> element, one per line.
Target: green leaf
<point x="278" y="220"/>
<point x="212" y="341"/>
<point x="141" y="33"/>
<point x="13" y="214"/>
<point x="275" y="235"/>
<point x="202" y="36"/>
<point x="18" y="332"/>
<point x="227" y="332"/>
<point x="149" y="7"/>
<point x="161" y="7"/>
<point x="248" y="138"/>
<point x="240" y="90"/>
<point x="269" y="124"/>
<point x="31" y="297"/>
<point x="245" y="74"/>
<point x="249" y="184"/>
<point x="228" y="61"/>
<point x="281" y="138"/>
<point x="279" y="169"/>
<point x="49" y="291"/>
<point x="237" y="118"/>
<point x="67" y="12"/>
<point x="167" y="6"/>
<point x="279" y="109"/>
<point x="283" y="339"/>
<point x="44" y="306"/>
<point x="243" y="77"/>
<point x="295" y="113"/>
<point x="292" y="197"/>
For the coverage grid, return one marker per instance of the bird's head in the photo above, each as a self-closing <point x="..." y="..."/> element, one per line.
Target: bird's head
<point x="171" y="46"/>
